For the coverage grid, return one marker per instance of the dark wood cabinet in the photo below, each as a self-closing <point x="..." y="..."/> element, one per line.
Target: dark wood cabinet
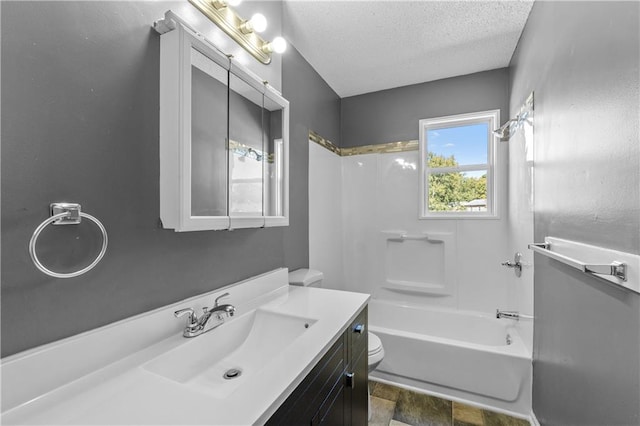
<point x="358" y="337"/>
<point x="335" y="391"/>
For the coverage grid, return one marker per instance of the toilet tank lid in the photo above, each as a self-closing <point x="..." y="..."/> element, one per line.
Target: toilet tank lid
<point x="305" y="277"/>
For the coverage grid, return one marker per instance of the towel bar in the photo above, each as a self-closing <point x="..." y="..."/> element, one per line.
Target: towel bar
<point x="617" y="271"/>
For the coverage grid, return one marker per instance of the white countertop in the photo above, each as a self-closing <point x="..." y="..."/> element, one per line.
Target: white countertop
<point x="121" y="391"/>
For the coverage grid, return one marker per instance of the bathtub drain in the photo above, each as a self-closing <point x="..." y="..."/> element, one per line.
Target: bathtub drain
<point x="232" y="373"/>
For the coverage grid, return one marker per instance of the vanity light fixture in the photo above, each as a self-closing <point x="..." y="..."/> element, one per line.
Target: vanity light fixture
<point x="242" y="31"/>
<point x="221" y="4"/>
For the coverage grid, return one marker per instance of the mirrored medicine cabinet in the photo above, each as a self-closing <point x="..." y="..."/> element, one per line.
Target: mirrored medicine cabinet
<point x="223" y="140"/>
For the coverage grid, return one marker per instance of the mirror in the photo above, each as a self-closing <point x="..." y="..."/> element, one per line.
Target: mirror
<point x="245" y="151"/>
<point x="209" y="116"/>
<point x="273" y="158"/>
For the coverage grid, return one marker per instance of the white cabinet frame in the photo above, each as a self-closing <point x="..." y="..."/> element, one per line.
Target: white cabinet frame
<point x="282" y="220"/>
<point x="176" y="44"/>
<point x="175" y="130"/>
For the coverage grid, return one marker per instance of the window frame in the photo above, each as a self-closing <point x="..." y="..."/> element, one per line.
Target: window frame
<point x="492" y="118"/>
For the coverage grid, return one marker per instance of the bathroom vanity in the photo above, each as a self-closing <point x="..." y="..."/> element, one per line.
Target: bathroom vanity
<point x="291" y="354"/>
<point x="335" y="391"/>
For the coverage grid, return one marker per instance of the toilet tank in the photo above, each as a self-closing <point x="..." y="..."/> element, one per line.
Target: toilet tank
<point x="306" y="277"/>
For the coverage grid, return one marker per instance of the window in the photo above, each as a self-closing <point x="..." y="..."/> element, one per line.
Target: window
<point x="458" y="166"/>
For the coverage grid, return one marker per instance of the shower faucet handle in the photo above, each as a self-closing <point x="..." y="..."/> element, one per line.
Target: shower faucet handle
<point x="516" y="264"/>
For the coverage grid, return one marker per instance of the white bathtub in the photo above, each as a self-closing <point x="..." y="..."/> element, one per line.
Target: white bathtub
<point x="460" y="355"/>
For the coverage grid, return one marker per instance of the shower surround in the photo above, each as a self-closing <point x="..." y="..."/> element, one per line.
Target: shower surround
<point x="443" y="272"/>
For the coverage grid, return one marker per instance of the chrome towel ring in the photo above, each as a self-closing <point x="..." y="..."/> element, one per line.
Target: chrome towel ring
<point x="66" y="214"/>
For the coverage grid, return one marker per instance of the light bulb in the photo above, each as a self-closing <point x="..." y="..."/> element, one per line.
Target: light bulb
<point x="258" y="22"/>
<point x="279" y="45"/>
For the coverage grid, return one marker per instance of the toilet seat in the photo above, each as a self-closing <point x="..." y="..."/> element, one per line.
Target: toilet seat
<point x="376" y="352"/>
<point x="375" y="356"/>
<point x="375" y="344"/>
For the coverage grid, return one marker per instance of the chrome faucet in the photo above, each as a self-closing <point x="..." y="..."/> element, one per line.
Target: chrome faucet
<point x="514" y="315"/>
<point x="196" y="326"/>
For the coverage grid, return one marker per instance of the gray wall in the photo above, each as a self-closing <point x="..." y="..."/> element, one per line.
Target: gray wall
<point x="80" y="123"/>
<point x="313" y="106"/>
<point x="392" y="115"/>
<point x="581" y="59"/>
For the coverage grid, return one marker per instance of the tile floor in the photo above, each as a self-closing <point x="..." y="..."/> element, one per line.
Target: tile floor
<point x="394" y="406"/>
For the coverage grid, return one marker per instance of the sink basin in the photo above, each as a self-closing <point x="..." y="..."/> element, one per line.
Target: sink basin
<point x="223" y="359"/>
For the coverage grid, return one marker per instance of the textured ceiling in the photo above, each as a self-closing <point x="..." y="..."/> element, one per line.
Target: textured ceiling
<point x="366" y="46"/>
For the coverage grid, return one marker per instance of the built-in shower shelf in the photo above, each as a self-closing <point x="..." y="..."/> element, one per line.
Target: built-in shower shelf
<point x="418" y="263"/>
<point x="616" y="267"/>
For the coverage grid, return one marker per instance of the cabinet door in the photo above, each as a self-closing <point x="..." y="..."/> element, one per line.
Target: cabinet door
<point x="208" y="137"/>
<point x="359" y="335"/>
<point x="246" y="152"/>
<point x="316" y="391"/>
<point x="276" y="148"/>
<point x="332" y="413"/>
<point x="358" y="366"/>
<point x="193" y="133"/>
<point x="359" y="391"/>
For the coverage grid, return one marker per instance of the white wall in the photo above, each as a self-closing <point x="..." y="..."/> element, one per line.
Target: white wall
<point x="379" y="193"/>
<point x="325" y="222"/>
<point x="359" y="198"/>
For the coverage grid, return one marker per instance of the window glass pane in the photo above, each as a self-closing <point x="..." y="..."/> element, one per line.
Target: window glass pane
<point x="458" y="146"/>
<point x="458" y="192"/>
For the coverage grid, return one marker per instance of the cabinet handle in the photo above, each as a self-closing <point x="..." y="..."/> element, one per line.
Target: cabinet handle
<point x="351" y="383"/>
<point x="359" y="328"/>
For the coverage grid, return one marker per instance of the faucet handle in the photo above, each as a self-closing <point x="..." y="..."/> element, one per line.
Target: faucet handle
<point x="191" y="318"/>
<point x="220" y="297"/>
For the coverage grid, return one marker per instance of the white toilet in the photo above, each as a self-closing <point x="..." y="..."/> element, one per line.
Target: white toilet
<point x="376" y="351"/>
<point x="313" y="278"/>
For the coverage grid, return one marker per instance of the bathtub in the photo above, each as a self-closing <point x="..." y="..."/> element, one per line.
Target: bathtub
<point x="464" y="356"/>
